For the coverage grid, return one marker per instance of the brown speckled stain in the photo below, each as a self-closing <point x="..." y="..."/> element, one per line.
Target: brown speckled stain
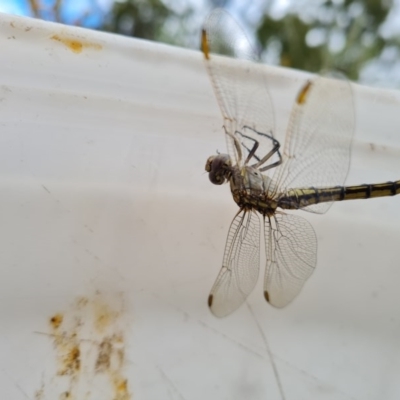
<point x="103" y="361"/>
<point x="71" y="361"/>
<point x="89" y="346"/>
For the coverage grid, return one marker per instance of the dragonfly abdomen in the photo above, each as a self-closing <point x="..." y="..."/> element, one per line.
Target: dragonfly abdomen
<point x="370" y="191"/>
<point x="299" y="198"/>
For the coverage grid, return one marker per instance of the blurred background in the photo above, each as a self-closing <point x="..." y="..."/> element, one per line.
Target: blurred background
<point x="359" y="37"/>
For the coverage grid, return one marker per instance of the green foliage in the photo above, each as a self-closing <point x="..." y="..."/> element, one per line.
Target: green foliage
<point x="148" y="19"/>
<point x="289" y="34"/>
<point x="143" y="19"/>
<point x="353" y="23"/>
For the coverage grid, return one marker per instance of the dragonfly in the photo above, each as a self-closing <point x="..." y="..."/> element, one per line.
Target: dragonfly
<point x="268" y="182"/>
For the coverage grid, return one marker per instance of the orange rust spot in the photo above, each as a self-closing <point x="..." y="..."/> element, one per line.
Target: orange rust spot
<point x="204" y="44"/>
<point x="121" y="388"/>
<point x="302" y="96"/>
<point x="74" y="44"/>
<point x="56" y="320"/>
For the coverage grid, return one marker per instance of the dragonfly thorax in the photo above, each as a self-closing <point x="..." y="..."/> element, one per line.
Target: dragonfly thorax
<point x="252" y="189"/>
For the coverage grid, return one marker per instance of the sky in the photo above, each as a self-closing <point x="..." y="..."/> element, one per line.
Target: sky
<point x="13" y="7"/>
<point x="72" y="9"/>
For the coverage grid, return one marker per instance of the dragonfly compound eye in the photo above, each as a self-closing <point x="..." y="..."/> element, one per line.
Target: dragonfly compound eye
<point x="218" y="168"/>
<point x="217" y="179"/>
<point x="209" y="163"/>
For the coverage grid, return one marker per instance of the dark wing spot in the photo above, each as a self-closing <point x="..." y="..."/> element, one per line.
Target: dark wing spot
<point x="210" y="300"/>
<point x="302" y="96"/>
<point x="204" y="44"/>
<point x="266" y="295"/>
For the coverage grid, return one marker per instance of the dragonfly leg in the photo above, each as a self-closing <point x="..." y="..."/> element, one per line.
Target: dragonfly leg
<point x="275" y="149"/>
<point x="273" y="165"/>
<point x="252" y="152"/>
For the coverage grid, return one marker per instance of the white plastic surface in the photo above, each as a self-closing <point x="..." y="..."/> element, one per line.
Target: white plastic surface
<point x="112" y="236"/>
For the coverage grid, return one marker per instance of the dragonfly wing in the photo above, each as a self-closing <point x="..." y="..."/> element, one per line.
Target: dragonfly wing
<point x="319" y="136"/>
<point x="240" y="267"/>
<point x="240" y="87"/>
<point x="291" y="248"/>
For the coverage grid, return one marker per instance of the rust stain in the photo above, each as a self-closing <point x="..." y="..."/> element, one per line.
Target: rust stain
<point x="71" y="361"/>
<point x="103" y="361"/>
<point x="89" y="344"/>
<point x="110" y="354"/>
<point x="56" y="320"/>
<point x="121" y="389"/>
<point x="74" y="44"/>
<point x="104" y="316"/>
<point x="103" y="320"/>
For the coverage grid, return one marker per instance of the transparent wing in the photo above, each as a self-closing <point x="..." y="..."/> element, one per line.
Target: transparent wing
<point x="240" y="266"/>
<point x="291" y="248"/>
<point x="318" y="140"/>
<point x="240" y="87"/>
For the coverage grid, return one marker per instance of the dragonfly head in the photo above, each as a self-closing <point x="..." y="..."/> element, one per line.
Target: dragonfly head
<point x="218" y="168"/>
